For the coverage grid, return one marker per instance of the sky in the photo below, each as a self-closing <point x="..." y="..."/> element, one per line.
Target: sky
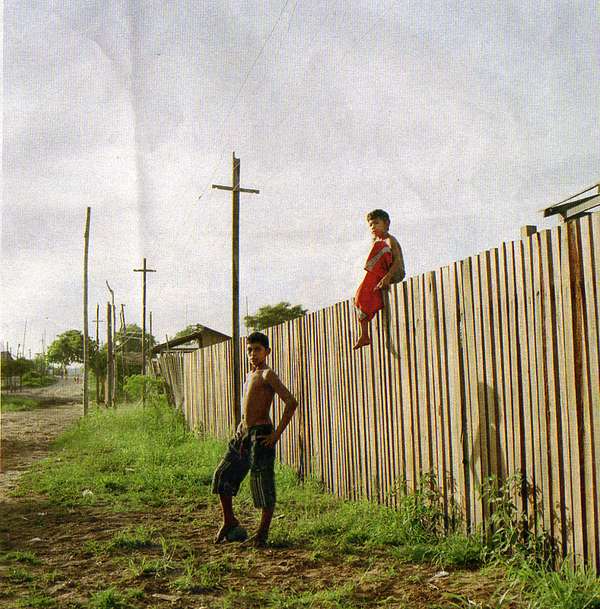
<point x="461" y="119"/>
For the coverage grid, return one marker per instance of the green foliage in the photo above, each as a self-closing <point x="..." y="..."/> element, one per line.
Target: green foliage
<point x="128" y="458"/>
<point x="14" y="403"/>
<point x="131" y="339"/>
<point x="66" y="348"/>
<point x="21" y="556"/>
<point x="35" y="379"/>
<point x="110" y="598"/>
<point x="16" y="367"/>
<point x="566" y="588"/>
<point x="135" y="385"/>
<point x="190" y="329"/>
<point x="271" y="315"/>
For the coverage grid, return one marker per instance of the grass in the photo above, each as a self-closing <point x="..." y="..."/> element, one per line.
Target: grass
<point x="15" y="403"/>
<point x="20" y="556"/>
<point x="131" y="457"/>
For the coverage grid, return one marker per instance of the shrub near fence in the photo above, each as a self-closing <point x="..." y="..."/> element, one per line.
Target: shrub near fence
<point x="486" y="367"/>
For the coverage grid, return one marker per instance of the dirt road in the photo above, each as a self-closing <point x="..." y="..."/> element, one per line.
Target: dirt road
<point x="26" y="436"/>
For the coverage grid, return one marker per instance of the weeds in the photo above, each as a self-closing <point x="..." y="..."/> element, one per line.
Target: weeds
<point x="110" y="598"/>
<point x="22" y="557"/>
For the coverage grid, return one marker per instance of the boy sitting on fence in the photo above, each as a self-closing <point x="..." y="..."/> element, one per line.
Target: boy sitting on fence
<point x="384" y="266"/>
<point x="253" y="446"/>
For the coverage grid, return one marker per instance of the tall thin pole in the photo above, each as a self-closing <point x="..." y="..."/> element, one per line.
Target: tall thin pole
<point x="96" y="367"/>
<point x="235" y="295"/>
<point x="24" y="335"/>
<point x="86" y="354"/>
<point x="114" y="333"/>
<point x="145" y="270"/>
<point x="123" y="339"/>
<point x="235" y="282"/>
<point x="109" y="362"/>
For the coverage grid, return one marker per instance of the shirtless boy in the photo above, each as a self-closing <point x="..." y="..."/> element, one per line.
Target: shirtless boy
<point x="384" y="266"/>
<point x="253" y="446"/>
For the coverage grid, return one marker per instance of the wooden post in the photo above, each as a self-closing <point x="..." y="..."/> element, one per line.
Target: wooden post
<point x="528" y="230"/>
<point x="110" y="369"/>
<point x="96" y="367"/>
<point x="144" y="271"/>
<point x="235" y="297"/>
<point x="123" y="339"/>
<point x="114" y="333"/>
<point x="85" y="311"/>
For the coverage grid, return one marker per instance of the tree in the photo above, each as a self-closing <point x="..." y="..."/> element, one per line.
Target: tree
<point x="131" y="340"/>
<point x="271" y="315"/>
<point x="189" y="330"/>
<point x="66" y="349"/>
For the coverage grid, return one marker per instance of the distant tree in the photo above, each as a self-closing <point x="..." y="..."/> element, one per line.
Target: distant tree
<point x="271" y="315"/>
<point x="189" y="330"/>
<point x="66" y="349"/>
<point x="131" y="339"/>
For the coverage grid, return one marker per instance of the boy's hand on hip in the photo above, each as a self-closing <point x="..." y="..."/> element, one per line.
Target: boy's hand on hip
<point x="270" y="440"/>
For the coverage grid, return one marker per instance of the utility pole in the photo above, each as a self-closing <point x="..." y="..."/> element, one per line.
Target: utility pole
<point x="235" y="268"/>
<point x="123" y="339"/>
<point x="96" y="367"/>
<point x="114" y="333"/>
<point x="110" y="368"/>
<point x="86" y="342"/>
<point x="24" y="335"/>
<point x="144" y="270"/>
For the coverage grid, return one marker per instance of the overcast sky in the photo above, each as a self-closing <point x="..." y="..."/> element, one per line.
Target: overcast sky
<point x="461" y="119"/>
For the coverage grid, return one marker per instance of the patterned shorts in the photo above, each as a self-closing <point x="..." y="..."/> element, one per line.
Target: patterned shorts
<point x="246" y="453"/>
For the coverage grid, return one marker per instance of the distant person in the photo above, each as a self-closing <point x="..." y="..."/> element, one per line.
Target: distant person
<point x="384" y="266"/>
<point x="253" y="446"/>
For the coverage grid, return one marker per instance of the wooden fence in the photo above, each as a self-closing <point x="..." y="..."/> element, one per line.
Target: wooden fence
<point x="486" y="367"/>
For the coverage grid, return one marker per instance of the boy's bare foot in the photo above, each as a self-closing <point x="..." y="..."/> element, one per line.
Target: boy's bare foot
<point x="258" y="540"/>
<point x="225" y="528"/>
<point x="363" y="341"/>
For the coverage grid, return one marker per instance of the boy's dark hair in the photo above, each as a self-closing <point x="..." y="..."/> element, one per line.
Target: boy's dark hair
<point x="378" y="213"/>
<point x="258" y="337"/>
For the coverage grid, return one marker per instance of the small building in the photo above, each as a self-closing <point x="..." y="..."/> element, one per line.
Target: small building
<point x="204" y="337"/>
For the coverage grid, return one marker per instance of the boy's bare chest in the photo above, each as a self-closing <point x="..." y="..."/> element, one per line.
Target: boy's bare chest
<point x="256" y="387"/>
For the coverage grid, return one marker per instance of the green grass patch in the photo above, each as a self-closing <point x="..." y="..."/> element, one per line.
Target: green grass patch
<point x="16" y="575"/>
<point x="128" y="458"/>
<point x="111" y="598"/>
<point x="21" y="556"/>
<point x="37" y="600"/>
<point x="204" y="577"/>
<point x="15" y="403"/>
<point x="337" y="597"/>
<point x="566" y="588"/>
<point x="131" y="457"/>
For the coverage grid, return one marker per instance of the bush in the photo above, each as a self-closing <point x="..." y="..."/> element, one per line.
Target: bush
<point x="134" y="386"/>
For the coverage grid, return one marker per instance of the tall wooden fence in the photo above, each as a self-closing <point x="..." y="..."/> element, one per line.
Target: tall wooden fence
<point x="486" y="367"/>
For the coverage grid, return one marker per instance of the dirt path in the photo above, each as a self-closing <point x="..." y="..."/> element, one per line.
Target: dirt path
<point x="26" y="436"/>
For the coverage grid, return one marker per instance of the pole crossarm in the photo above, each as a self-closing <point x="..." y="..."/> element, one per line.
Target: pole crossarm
<point x="144" y="270"/>
<point x="248" y="190"/>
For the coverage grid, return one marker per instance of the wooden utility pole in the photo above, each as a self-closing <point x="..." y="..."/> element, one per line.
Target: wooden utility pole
<point x="235" y="269"/>
<point x="96" y="367"/>
<point x="86" y="354"/>
<point x="144" y="270"/>
<point x="114" y="334"/>
<point x="123" y="340"/>
<point x="110" y="368"/>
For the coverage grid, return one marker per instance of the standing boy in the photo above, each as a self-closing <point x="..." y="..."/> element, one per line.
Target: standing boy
<point x="253" y="446"/>
<point x="384" y="266"/>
